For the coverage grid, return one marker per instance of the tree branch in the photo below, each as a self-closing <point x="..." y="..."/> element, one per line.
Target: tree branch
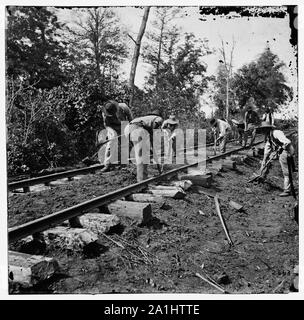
<point x="132" y="38"/>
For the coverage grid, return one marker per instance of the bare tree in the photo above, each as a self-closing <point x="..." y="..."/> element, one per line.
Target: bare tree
<point x="100" y="39"/>
<point x="228" y="69"/>
<point x="160" y="39"/>
<point x="137" y="52"/>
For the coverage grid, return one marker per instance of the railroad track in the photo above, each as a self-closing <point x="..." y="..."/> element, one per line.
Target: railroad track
<point x="41" y="224"/>
<point x="44" y="223"/>
<point x="25" y="184"/>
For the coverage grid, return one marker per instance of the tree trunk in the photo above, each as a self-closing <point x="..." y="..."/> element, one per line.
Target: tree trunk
<point x="136" y="53"/>
<point x="159" y="54"/>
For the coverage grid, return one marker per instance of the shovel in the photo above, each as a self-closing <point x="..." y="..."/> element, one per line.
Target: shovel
<point x="259" y="177"/>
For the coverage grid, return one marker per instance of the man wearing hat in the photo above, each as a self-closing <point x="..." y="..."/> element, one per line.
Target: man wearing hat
<point x="168" y="128"/>
<point x="276" y="141"/>
<point x="113" y="115"/>
<point x="251" y="120"/>
<point x="268" y="115"/>
<point x="221" y="128"/>
<point x="140" y="132"/>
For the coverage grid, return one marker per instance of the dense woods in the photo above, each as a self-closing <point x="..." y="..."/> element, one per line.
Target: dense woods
<point x="58" y="77"/>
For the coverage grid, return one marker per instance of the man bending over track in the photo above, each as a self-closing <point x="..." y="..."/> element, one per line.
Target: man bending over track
<point x="113" y="114"/>
<point x="140" y="132"/>
<point x="277" y="145"/>
<point x="222" y="128"/>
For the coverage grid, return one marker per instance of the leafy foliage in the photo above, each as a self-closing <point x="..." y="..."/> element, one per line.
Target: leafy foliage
<point x="177" y="70"/>
<point x="264" y="81"/>
<point x="37" y="136"/>
<point x="58" y="77"/>
<point x="34" y="48"/>
<point x="97" y="45"/>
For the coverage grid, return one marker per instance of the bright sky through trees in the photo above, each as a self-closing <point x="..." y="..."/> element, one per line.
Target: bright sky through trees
<point x="251" y="35"/>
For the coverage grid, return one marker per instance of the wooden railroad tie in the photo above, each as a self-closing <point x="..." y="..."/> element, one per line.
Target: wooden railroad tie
<point x="28" y="270"/>
<point x="203" y="180"/>
<point x="167" y="191"/>
<point x="145" y="197"/>
<point x="138" y="211"/>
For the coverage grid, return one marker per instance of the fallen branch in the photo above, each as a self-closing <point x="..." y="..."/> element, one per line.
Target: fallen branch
<point x="137" y="258"/>
<point x="145" y="255"/>
<point x="117" y="243"/>
<point x="218" y="210"/>
<point x="265" y="263"/>
<point x="212" y="283"/>
<point x="278" y="286"/>
<point x="137" y="246"/>
<point x="137" y="252"/>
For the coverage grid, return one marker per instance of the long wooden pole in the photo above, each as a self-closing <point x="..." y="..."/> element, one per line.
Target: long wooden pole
<point x="211" y="283"/>
<point x="218" y="210"/>
<point x="136" y="53"/>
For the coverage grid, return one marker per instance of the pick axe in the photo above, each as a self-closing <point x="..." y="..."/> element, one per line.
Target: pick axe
<point x="259" y="177"/>
<point x="100" y="144"/>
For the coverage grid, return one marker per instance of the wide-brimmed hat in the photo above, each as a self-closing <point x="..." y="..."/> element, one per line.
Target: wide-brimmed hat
<point x="110" y="108"/>
<point x="265" y="124"/>
<point x="172" y="120"/>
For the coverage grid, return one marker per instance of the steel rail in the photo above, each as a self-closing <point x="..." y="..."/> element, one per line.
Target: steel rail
<point x="70" y="173"/>
<point x="25" y="183"/>
<point x="44" y="223"/>
<point x="52" y="177"/>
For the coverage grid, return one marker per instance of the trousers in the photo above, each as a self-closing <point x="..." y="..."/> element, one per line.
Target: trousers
<point x="223" y="142"/>
<point x="112" y="152"/>
<point x="283" y="162"/>
<point x="251" y="129"/>
<point x="140" y="139"/>
<point x="169" y="146"/>
<point x="241" y="134"/>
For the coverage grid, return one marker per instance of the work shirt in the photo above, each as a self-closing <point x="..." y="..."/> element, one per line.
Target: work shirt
<point x="165" y="124"/>
<point x="241" y="116"/>
<point x="123" y="113"/>
<point x="170" y="134"/>
<point x="223" y="127"/>
<point x="251" y="117"/>
<point x="268" y="117"/>
<point x="278" y="139"/>
<point x="149" y="122"/>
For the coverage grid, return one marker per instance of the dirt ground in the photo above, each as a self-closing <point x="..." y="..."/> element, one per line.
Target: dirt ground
<point x="165" y="256"/>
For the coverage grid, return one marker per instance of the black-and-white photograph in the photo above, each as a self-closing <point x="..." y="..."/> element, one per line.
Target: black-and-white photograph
<point x="151" y="149"/>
